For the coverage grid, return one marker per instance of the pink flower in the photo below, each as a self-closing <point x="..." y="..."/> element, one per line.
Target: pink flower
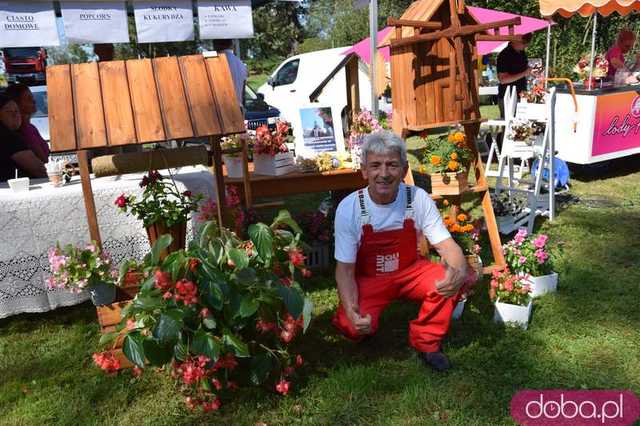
<point x="541" y="255"/>
<point x="212" y="405"/>
<point x="540" y="241"/>
<point x="283" y="387"/>
<point x="121" y="201"/>
<point x="299" y="361"/>
<point x="136" y="371"/>
<point x="522" y="260"/>
<point x="520" y="236"/>
<point x="107" y="361"/>
<point x="56" y="260"/>
<point x="296" y="257"/>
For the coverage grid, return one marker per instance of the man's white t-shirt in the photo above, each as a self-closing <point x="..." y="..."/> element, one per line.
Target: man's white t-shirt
<point x="385" y="217"/>
<point x="238" y="72"/>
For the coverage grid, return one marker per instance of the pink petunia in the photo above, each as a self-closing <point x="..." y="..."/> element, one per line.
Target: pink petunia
<point x="540" y="241"/>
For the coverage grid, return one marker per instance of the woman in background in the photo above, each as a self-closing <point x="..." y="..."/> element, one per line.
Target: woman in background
<point x="31" y="137"/>
<point x="15" y="157"/>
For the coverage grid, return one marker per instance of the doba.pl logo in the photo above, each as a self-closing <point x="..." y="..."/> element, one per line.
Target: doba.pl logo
<point x="569" y="407"/>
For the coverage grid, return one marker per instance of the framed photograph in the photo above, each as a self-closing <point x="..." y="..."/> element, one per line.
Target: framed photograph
<point x="316" y="130"/>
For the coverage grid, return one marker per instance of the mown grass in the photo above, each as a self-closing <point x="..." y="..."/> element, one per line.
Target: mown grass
<point x="585" y="336"/>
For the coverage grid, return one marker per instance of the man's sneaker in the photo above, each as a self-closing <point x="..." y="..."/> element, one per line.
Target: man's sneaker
<point x="436" y="360"/>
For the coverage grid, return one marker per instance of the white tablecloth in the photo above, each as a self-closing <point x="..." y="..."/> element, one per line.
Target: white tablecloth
<point x="31" y="222"/>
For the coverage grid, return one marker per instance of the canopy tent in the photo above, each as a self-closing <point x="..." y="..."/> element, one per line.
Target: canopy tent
<point x="567" y="8"/>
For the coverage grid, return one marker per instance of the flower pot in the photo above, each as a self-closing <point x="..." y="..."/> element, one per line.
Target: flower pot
<point x="475" y="262"/>
<point x="449" y="183"/>
<point x="457" y="312"/>
<point x="233" y="165"/>
<point x="318" y="256"/>
<point x="109" y="317"/>
<point x="178" y="232"/>
<point x="512" y="314"/>
<point x="543" y="284"/>
<point x="273" y="165"/>
<point x="102" y="293"/>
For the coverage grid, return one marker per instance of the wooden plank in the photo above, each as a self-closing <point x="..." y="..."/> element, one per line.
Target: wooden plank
<point x="392" y="22"/>
<point x="218" y="174"/>
<point x="89" y="202"/>
<point x="353" y="92"/>
<point x="231" y="118"/>
<point x="60" y="103"/>
<point x="87" y="105"/>
<point x="144" y="101"/>
<point x="428" y="70"/>
<point x="116" y="102"/>
<point x="203" y="109"/>
<point x="173" y="102"/>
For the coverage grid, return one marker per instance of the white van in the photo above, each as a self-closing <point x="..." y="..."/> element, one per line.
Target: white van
<point x="297" y="77"/>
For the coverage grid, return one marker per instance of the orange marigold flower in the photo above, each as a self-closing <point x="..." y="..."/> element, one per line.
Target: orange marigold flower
<point x="462" y="217"/>
<point x="422" y="168"/>
<point x="459" y="137"/>
<point x="435" y="160"/>
<point x="453" y="165"/>
<point x="468" y="228"/>
<point x="454" y="155"/>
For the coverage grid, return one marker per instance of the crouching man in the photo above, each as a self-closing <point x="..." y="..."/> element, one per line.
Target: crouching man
<point x="377" y="231"/>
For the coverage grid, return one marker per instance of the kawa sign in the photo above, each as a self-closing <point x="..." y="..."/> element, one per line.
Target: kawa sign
<point x="617" y="123"/>
<point x="225" y="19"/>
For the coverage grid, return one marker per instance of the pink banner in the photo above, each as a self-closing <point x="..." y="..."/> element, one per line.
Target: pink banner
<point x="617" y="126"/>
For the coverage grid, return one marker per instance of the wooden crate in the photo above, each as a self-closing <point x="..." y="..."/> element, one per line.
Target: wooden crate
<point x="273" y="165"/>
<point x="449" y="183"/>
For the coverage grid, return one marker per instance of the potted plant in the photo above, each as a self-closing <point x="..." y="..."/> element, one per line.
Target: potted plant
<point x="271" y="155"/>
<point x="448" y="160"/>
<point x="363" y="123"/>
<point x="510" y="294"/>
<point x="76" y="269"/>
<point x="534" y="101"/>
<point x="162" y="208"/>
<point x="466" y="233"/>
<point x="231" y="149"/>
<point x="317" y="234"/>
<point x="221" y="314"/>
<point x="600" y="70"/>
<point x="529" y="255"/>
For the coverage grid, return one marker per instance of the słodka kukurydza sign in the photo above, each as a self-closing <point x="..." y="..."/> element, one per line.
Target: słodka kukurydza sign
<point x="163" y="21"/>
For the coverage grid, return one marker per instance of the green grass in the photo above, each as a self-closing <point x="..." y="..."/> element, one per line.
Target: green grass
<point x="257" y="80"/>
<point x="585" y="336"/>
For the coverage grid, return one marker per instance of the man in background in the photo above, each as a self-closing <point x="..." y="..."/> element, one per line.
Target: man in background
<point x="237" y="68"/>
<point x="513" y="69"/>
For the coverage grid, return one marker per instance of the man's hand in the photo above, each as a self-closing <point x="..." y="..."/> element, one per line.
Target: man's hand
<point x="452" y="281"/>
<point x="360" y="323"/>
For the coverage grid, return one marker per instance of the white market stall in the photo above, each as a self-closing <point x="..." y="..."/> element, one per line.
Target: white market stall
<point x="607" y="122"/>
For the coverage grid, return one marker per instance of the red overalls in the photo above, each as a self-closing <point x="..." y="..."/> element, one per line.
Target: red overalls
<point x="387" y="268"/>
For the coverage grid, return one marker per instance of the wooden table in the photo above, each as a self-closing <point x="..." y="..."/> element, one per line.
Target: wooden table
<point x="300" y="183"/>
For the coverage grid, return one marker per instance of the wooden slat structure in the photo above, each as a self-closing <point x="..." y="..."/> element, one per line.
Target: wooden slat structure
<point x="118" y="103"/>
<point x="433" y="56"/>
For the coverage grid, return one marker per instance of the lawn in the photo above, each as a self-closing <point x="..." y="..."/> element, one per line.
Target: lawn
<point x="586" y="336"/>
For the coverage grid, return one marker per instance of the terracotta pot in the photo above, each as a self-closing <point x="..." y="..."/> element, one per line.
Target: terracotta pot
<point x="178" y="232"/>
<point x="449" y="183"/>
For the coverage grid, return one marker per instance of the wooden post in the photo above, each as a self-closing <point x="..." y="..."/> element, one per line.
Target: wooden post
<point x="89" y="202"/>
<point x="353" y="92"/>
<point x="219" y="176"/>
<point x="246" y="179"/>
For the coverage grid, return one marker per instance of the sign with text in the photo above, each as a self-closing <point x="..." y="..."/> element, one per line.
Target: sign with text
<point x="95" y="22"/>
<point x="617" y="123"/>
<point x="225" y="19"/>
<point x="162" y="21"/>
<point x="25" y="24"/>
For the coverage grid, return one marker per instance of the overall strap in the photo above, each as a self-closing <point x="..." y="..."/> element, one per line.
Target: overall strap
<point x="364" y="214"/>
<point x="408" y="214"/>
